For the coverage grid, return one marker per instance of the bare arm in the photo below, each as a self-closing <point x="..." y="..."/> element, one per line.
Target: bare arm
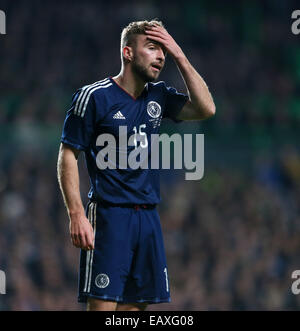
<point x="200" y="104"/>
<point x="81" y="230"/>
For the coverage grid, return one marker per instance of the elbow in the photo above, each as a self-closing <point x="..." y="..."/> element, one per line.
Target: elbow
<point x="210" y="110"/>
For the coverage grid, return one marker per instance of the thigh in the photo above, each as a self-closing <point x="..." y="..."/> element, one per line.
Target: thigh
<point x="148" y="280"/>
<point x="104" y="271"/>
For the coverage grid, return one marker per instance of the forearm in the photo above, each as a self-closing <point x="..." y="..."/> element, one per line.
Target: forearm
<point x="81" y="231"/>
<point x="197" y="89"/>
<point x="201" y="104"/>
<point x="68" y="178"/>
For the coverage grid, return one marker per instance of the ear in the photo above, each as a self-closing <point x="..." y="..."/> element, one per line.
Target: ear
<point x="127" y="53"/>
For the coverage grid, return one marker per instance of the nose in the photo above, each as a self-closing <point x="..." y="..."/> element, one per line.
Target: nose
<point x="161" y="55"/>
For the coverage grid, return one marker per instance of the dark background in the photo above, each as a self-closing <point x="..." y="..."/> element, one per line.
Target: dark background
<point x="233" y="238"/>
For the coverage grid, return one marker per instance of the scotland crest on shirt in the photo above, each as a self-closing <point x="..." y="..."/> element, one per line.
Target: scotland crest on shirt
<point x="154" y="111"/>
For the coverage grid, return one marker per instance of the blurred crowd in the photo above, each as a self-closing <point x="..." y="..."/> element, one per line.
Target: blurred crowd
<point x="245" y="51"/>
<point x="232" y="238"/>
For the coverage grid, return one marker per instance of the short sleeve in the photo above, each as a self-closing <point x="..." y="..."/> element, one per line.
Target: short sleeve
<point x="174" y="102"/>
<point x="79" y="122"/>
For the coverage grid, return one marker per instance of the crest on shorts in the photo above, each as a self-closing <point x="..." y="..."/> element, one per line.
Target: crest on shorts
<point x="153" y="109"/>
<point x="102" y="281"/>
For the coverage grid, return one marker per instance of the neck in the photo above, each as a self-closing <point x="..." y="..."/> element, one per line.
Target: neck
<point x="132" y="84"/>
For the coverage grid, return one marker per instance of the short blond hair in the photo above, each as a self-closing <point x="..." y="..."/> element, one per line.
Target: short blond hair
<point x="134" y="28"/>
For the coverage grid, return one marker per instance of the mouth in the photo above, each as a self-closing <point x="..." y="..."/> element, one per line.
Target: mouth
<point x="156" y="67"/>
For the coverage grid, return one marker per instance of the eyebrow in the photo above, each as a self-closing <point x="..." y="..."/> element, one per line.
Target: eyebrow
<point x="150" y="41"/>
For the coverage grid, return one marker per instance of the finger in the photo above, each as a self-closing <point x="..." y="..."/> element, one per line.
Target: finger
<point x="153" y="30"/>
<point x="75" y="241"/>
<point x="157" y="29"/>
<point x="91" y="239"/>
<point x="90" y="245"/>
<point x="88" y="242"/>
<point x="155" y="25"/>
<point x="83" y="243"/>
<point x="158" y="39"/>
<point x="156" y="34"/>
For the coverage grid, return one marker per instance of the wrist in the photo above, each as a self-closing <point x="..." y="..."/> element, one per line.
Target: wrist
<point x="178" y="55"/>
<point x="75" y="214"/>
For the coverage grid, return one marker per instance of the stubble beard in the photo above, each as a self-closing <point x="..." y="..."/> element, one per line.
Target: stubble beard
<point x="142" y="72"/>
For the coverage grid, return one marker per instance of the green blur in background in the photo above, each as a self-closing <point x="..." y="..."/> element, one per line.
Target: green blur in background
<point x="232" y="239"/>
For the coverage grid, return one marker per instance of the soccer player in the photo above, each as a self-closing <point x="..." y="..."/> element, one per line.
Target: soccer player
<point x="122" y="261"/>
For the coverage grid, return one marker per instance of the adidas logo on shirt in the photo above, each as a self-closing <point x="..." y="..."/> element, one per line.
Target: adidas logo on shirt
<point x="119" y="116"/>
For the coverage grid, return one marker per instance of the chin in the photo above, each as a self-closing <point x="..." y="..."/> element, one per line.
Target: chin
<point x="149" y="78"/>
<point x="145" y="75"/>
<point x="152" y="78"/>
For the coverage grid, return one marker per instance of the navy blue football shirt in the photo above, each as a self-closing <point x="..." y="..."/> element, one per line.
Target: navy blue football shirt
<point x="102" y="108"/>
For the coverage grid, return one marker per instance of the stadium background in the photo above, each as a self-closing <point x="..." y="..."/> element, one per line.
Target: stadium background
<point x="232" y="238"/>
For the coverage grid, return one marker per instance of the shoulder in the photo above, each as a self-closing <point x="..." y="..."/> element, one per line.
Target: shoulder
<point x="157" y="86"/>
<point x="95" y="88"/>
<point x="162" y="88"/>
<point x="83" y="96"/>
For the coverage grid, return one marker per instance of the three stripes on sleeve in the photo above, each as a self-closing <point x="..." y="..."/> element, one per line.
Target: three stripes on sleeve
<point x="85" y="94"/>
